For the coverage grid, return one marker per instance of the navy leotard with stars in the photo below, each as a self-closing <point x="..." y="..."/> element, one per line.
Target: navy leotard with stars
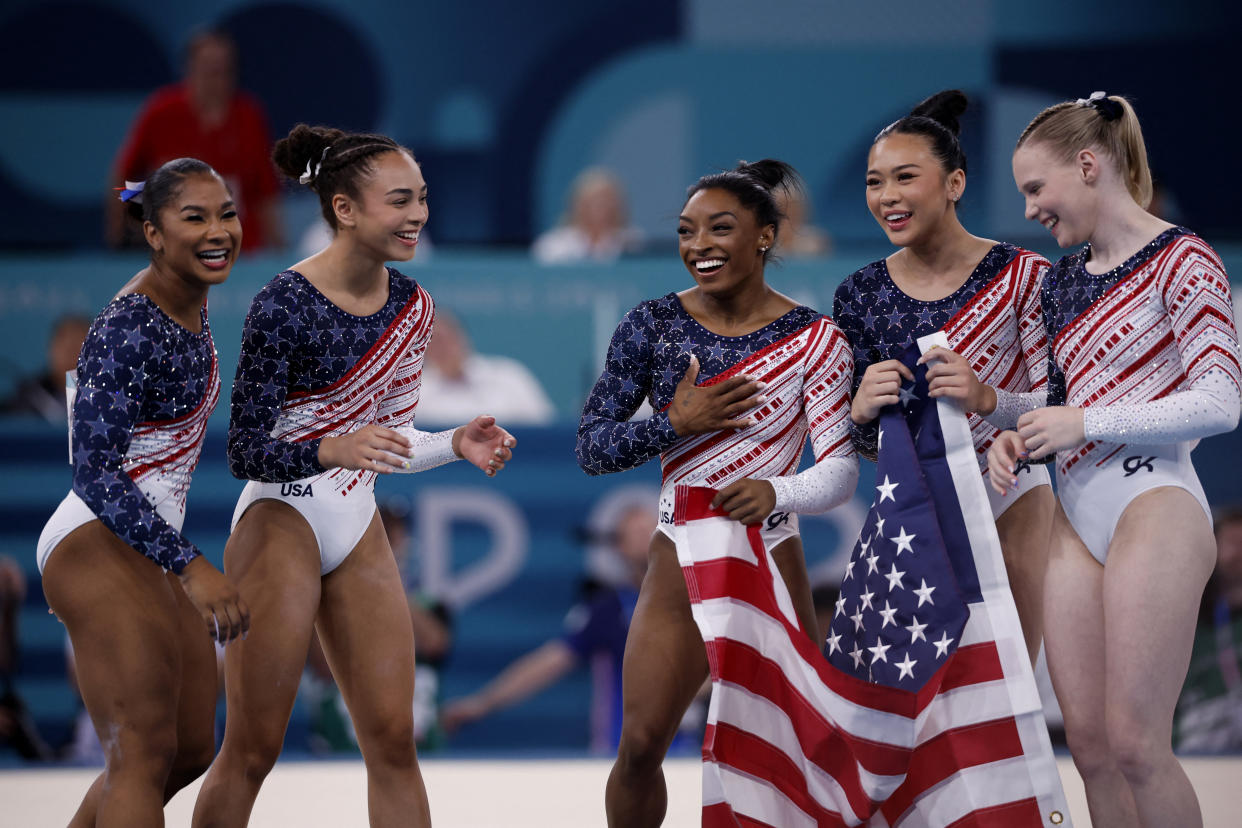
<point x="648" y="356"/>
<point x="993" y="319"/>
<point x="145" y="388"/>
<point x="296" y="340"/>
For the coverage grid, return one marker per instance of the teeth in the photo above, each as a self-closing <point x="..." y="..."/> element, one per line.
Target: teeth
<point x="1050" y="223"/>
<point x="410" y="235"/>
<point x="214" y="255"/>
<point x="708" y="264"/>
<point x="896" y="216"/>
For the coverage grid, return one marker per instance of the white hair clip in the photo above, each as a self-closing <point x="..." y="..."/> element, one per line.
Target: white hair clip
<point x="310" y="175"/>
<point x="1095" y="96"/>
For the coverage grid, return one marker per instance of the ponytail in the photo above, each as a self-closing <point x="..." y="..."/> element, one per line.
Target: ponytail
<point x="1106" y="122"/>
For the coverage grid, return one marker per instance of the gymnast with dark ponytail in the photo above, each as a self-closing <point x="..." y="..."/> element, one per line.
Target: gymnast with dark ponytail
<point x="738" y="375"/>
<point x="983" y="295"/>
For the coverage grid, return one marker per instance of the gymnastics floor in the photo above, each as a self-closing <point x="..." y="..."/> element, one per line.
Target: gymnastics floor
<point x="523" y="793"/>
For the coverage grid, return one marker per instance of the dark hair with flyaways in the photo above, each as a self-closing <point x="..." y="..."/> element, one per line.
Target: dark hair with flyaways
<point x="330" y="161"/>
<point x="754" y="184"/>
<point x="162" y="186"/>
<point x="936" y="119"/>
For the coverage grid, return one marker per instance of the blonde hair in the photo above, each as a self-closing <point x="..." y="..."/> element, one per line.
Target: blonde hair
<point x="1069" y="127"/>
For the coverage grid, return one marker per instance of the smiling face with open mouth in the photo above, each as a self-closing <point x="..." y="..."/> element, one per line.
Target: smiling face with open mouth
<point x="199" y="233"/>
<point x="1056" y="194"/>
<point x="908" y="190"/>
<point x="392" y="207"/>
<point x="720" y="240"/>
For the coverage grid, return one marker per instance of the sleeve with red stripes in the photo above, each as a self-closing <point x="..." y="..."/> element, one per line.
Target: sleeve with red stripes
<point x="1195" y="291"/>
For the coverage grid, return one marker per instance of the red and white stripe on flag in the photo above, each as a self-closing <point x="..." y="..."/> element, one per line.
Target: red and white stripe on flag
<point x="792" y="741"/>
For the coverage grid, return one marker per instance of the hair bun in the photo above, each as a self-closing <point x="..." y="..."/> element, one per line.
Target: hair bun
<point x="771" y="173"/>
<point x="304" y="145"/>
<point x="944" y="108"/>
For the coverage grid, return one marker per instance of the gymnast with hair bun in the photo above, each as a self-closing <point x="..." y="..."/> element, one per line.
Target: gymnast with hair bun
<point x="323" y="403"/>
<point x="141" y="604"/>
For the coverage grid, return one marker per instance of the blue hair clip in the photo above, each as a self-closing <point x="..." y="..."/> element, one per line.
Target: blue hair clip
<point x="133" y="191"/>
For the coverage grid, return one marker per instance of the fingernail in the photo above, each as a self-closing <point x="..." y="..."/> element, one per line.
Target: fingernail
<point x="406" y="464"/>
<point x="409" y="452"/>
<point x="760" y="400"/>
<point x="496" y="452"/>
<point x="762" y="385"/>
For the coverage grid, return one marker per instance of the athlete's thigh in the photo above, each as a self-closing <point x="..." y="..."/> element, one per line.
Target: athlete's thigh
<point x="273" y="558"/>
<point x="364" y="625"/>
<point x="1074" y="626"/>
<point x="665" y="659"/>
<point x="1026" y="526"/>
<point x="198" y="680"/>
<point x="791" y="563"/>
<point x="122" y="620"/>
<point x="1159" y="560"/>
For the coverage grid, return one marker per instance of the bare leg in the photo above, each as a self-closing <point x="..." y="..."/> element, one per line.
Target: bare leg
<point x="1074" y="628"/>
<point x="364" y="626"/>
<point x="789" y="560"/>
<point x="1158" y="563"/>
<point x="664" y="666"/>
<point x="1024" y="531"/>
<point x="273" y="557"/>
<point x="196" y="710"/>
<point x="122" y="618"/>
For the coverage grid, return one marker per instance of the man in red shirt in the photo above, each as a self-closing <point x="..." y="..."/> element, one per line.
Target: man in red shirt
<point x="209" y="118"/>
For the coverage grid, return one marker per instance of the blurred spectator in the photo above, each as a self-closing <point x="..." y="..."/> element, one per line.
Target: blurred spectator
<point x="17" y="729"/>
<point x="799" y="239"/>
<point x="44" y="395"/>
<point x="205" y="116"/>
<point x="331" y="729"/>
<point x="596" y="227"/>
<point x="459" y="385"/>
<point x="618" y="536"/>
<point x="1209" y="711"/>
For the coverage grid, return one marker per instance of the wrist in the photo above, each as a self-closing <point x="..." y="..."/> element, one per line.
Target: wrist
<point x="987" y="400"/>
<point x="858" y="416"/>
<point x="194" y="565"/>
<point x="458" y="433"/>
<point x="324" y="454"/>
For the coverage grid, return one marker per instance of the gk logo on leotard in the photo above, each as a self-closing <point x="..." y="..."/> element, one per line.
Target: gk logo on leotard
<point x="1133" y="464"/>
<point x="777" y="518"/>
<point x="296" y="490"/>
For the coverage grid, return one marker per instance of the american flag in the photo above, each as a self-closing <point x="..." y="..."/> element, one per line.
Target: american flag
<point x="924" y="711"/>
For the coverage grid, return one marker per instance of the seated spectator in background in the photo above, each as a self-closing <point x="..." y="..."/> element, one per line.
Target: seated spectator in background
<point x="457" y="380"/>
<point x="799" y="239"/>
<point x="618" y="534"/>
<point x="1209" y="711"/>
<point x="207" y="117"/>
<point x="331" y="728"/>
<point x="17" y="729"/>
<point x="44" y="395"/>
<point x="596" y="226"/>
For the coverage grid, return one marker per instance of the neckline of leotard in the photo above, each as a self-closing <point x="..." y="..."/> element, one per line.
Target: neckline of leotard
<point x="950" y="298"/>
<point x="392" y="279"/>
<point x="681" y="309"/>
<point x="1134" y="260"/>
<point x="202" y="313"/>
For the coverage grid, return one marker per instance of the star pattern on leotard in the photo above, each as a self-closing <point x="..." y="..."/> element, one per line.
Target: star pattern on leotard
<point x="137" y="368"/>
<point x="892" y="319"/>
<point x="648" y="355"/>
<point x="295" y="340"/>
